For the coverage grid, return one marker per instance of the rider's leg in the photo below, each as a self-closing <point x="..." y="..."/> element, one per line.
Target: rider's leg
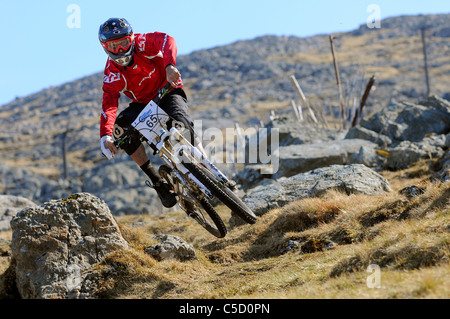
<point x="135" y="149"/>
<point x="140" y="156"/>
<point x="176" y="106"/>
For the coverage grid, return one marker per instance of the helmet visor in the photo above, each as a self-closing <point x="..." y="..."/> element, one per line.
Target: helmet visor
<point x="115" y="45"/>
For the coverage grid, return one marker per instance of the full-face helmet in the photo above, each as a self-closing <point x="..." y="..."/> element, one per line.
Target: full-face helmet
<point x="117" y="39"/>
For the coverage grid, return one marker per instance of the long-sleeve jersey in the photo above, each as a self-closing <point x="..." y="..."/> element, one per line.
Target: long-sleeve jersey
<point x="139" y="81"/>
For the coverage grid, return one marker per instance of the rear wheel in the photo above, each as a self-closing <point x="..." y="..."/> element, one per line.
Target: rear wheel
<point x="222" y="192"/>
<point x="199" y="209"/>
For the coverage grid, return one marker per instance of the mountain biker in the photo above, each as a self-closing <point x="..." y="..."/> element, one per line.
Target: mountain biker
<point x="138" y="66"/>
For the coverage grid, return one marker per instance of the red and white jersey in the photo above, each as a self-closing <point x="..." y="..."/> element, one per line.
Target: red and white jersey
<point x="140" y="81"/>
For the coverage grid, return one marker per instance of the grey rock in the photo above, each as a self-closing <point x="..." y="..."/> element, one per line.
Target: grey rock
<point x="171" y="247"/>
<point x="369" y="157"/>
<point x="360" y="132"/>
<point x="292" y="132"/>
<point x="121" y="184"/>
<point x="411" y="122"/>
<point x="407" y="153"/>
<point x="443" y="174"/>
<point x="53" y="245"/>
<point x="352" y="179"/>
<point x="295" y="159"/>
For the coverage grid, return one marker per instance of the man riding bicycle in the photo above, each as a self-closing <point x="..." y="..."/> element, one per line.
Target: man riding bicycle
<point x="138" y="66"/>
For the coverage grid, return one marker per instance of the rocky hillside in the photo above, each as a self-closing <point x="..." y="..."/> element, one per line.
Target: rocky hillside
<point x="340" y="201"/>
<point x="357" y="234"/>
<point x="237" y="83"/>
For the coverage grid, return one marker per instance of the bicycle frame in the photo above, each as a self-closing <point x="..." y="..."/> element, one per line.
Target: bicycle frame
<point x="151" y="124"/>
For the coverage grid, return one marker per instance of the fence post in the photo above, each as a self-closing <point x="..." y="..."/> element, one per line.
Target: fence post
<point x="64" y="152"/>
<point x="297" y="111"/>
<point x="424" y="48"/>
<point x="363" y="99"/>
<point x="303" y="98"/>
<point x="338" y="80"/>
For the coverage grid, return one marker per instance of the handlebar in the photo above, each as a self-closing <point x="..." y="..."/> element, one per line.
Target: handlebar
<point x="162" y="92"/>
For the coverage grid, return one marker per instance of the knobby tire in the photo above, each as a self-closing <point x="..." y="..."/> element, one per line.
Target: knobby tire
<point x="224" y="194"/>
<point x="217" y="229"/>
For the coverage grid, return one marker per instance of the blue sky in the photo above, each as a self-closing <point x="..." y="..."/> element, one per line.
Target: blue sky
<point x="52" y="44"/>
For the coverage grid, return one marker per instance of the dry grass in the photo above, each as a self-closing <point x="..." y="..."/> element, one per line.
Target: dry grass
<point x="407" y="238"/>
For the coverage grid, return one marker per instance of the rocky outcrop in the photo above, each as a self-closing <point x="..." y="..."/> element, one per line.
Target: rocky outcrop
<point x="407" y="122"/>
<point x="121" y="184"/>
<point x="352" y="179"/>
<point x="292" y="132"/>
<point x="53" y="245"/>
<point x="407" y="132"/>
<point x="407" y="152"/>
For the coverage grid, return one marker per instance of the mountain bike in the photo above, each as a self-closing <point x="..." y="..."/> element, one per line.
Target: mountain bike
<point x="195" y="179"/>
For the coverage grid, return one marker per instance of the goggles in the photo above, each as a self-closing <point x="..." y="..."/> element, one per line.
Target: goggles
<point x="115" y="45"/>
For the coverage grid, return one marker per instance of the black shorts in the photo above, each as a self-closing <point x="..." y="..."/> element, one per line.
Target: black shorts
<point x="174" y="104"/>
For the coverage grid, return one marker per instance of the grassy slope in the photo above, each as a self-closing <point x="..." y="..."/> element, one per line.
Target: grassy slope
<point x="407" y="238"/>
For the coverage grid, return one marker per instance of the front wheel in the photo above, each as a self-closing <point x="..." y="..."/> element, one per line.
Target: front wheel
<point x="222" y="192"/>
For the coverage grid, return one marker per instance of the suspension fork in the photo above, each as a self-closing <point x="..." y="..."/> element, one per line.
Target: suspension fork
<point x="181" y="172"/>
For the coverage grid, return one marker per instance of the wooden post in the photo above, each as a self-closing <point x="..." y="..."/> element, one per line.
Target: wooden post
<point x="424" y="48"/>
<point x="297" y="111"/>
<point x="272" y="115"/>
<point x="363" y="99"/>
<point x="338" y="80"/>
<point x="303" y="98"/>
<point x="64" y="151"/>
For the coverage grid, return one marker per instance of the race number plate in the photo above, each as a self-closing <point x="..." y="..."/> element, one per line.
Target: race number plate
<point x="151" y="121"/>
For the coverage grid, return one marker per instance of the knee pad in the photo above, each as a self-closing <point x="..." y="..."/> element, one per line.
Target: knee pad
<point x="131" y="143"/>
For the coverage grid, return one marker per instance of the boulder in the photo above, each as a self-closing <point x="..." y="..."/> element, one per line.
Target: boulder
<point x="360" y="132"/>
<point x="171" y="247"/>
<point x="292" y="132"/>
<point x="295" y="159"/>
<point x="369" y="157"/>
<point x="411" y="122"/>
<point x="53" y="246"/>
<point x="352" y="179"/>
<point x="443" y="174"/>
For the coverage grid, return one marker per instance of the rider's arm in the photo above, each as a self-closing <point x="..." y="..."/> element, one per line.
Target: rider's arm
<point x="111" y="94"/>
<point x="109" y="111"/>
<point x="110" y="103"/>
<point x="107" y="119"/>
<point x="161" y="43"/>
